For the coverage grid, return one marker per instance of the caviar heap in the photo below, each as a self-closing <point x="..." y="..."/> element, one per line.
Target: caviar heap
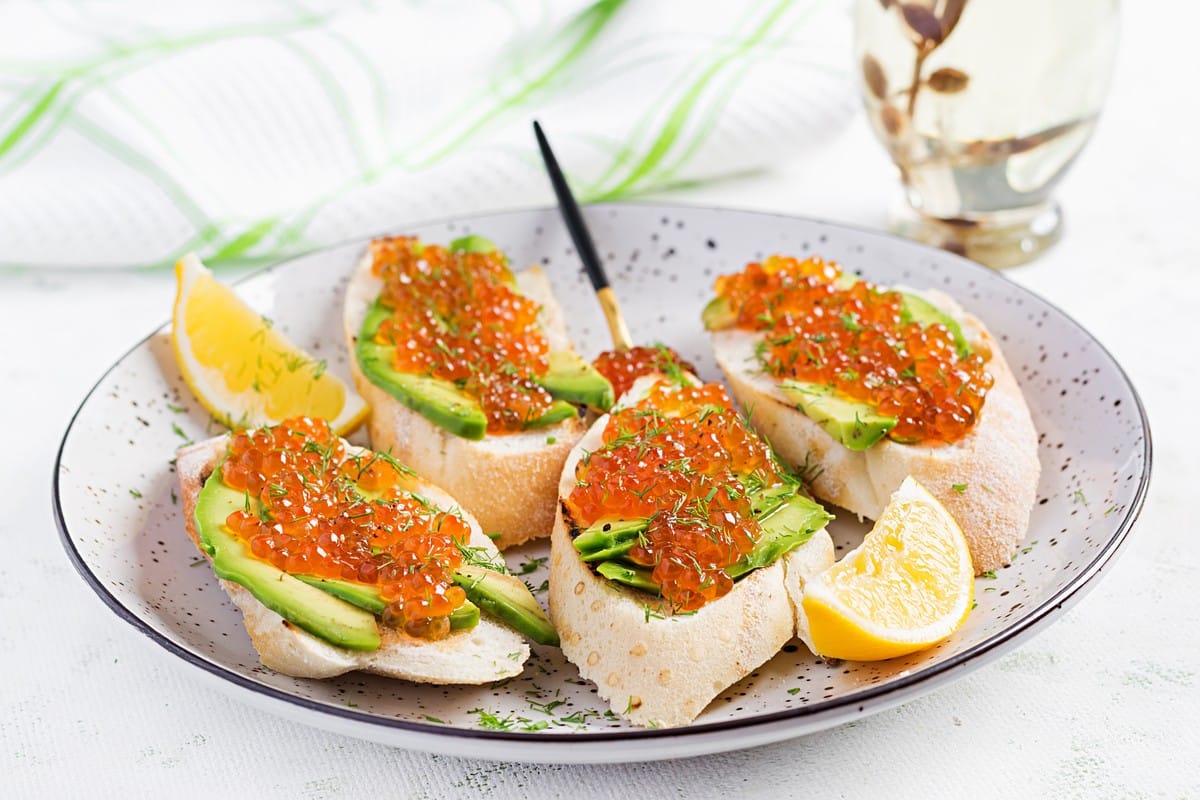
<point x="684" y="459"/>
<point x="313" y="508"/>
<point x="456" y="316"/>
<point x="623" y="367"/>
<point x="858" y="339"/>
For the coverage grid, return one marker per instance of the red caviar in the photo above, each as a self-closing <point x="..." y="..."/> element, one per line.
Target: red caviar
<point x="856" y="339"/>
<point x="456" y="316"/>
<point x="623" y="367"/>
<point x="683" y="458"/>
<point x="315" y="508"/>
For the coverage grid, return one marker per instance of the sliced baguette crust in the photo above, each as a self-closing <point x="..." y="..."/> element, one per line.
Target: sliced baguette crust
<point x="652" y="668"/>
<point x="507" y="482"/>
<point x="479" y="655"/>
<point x="997" y="461"/>
<point x="800" y="565"/>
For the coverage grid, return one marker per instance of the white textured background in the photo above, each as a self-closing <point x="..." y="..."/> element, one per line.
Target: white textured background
<point x="1106" y="703"/>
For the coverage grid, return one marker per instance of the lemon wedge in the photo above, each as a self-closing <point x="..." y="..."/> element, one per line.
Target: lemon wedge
<point x="244" y="371"/>
<point x="908" y="586"/>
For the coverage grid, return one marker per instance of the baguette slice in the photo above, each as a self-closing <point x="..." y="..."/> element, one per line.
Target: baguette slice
<point x="653" y="668"/>
<point x="507" y="482"/>
<point x="488" y="652"/>
<point x="995" y="466"/>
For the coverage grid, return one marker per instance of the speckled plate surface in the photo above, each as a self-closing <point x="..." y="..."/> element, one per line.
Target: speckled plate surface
<point x="115" y="496"/>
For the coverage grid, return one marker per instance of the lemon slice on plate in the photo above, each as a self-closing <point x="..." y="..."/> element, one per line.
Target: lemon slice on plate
<point x="244" y="371"/>
<point x="908" y="586"/>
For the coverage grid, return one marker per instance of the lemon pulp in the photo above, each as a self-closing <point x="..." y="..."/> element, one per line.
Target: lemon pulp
<point x="244" y="371"/>
<point x="909" y="585"/>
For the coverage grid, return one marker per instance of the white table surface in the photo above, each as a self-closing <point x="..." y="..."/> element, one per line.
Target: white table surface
<point x="1105" y="703"/>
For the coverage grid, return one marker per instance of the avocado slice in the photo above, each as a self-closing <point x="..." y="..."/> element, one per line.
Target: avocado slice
<point x="558" y="411"/>
<point x="613" y="538"/>
<point x="766" y="500"/>
<point x="507" y="598"/>
<point x="925" y="313"/>
<point x="368" y="598"/>
<point x="855" y="424"/>
<point x="439" y="401"/>
<point x="718" y="314"/>
<point x="637" y="577"/>
<point x="791" y="520"/>
<point x="305" y="606"/>
<point x="474" y="243"/>
<point x="343" y="612"/>
<point x="919" y="310"/>
<point x="846" y="281"/>
<point x="573" y="379"/>
<point x="357" y="594"/>
<point x="464" y="617"/>
<point x="609" y="539"/>
<point x="569" y="379"/>
<point x="785" y="528"/>
<point x="447" y="406"/>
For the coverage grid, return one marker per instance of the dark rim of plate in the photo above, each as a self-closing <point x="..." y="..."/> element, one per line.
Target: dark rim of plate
<point x="992" y="647"/>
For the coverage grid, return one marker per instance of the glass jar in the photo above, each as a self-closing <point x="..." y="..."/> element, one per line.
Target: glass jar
<point x="983" y="105"/>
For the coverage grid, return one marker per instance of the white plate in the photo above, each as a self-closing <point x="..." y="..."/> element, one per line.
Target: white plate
<point x="114" y="490"/>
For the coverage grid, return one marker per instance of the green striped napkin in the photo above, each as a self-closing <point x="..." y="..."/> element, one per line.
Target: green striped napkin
<point x="250" y="131"/>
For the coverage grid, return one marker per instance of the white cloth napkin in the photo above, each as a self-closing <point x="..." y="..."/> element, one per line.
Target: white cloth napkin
<point x="249" y="131"/>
